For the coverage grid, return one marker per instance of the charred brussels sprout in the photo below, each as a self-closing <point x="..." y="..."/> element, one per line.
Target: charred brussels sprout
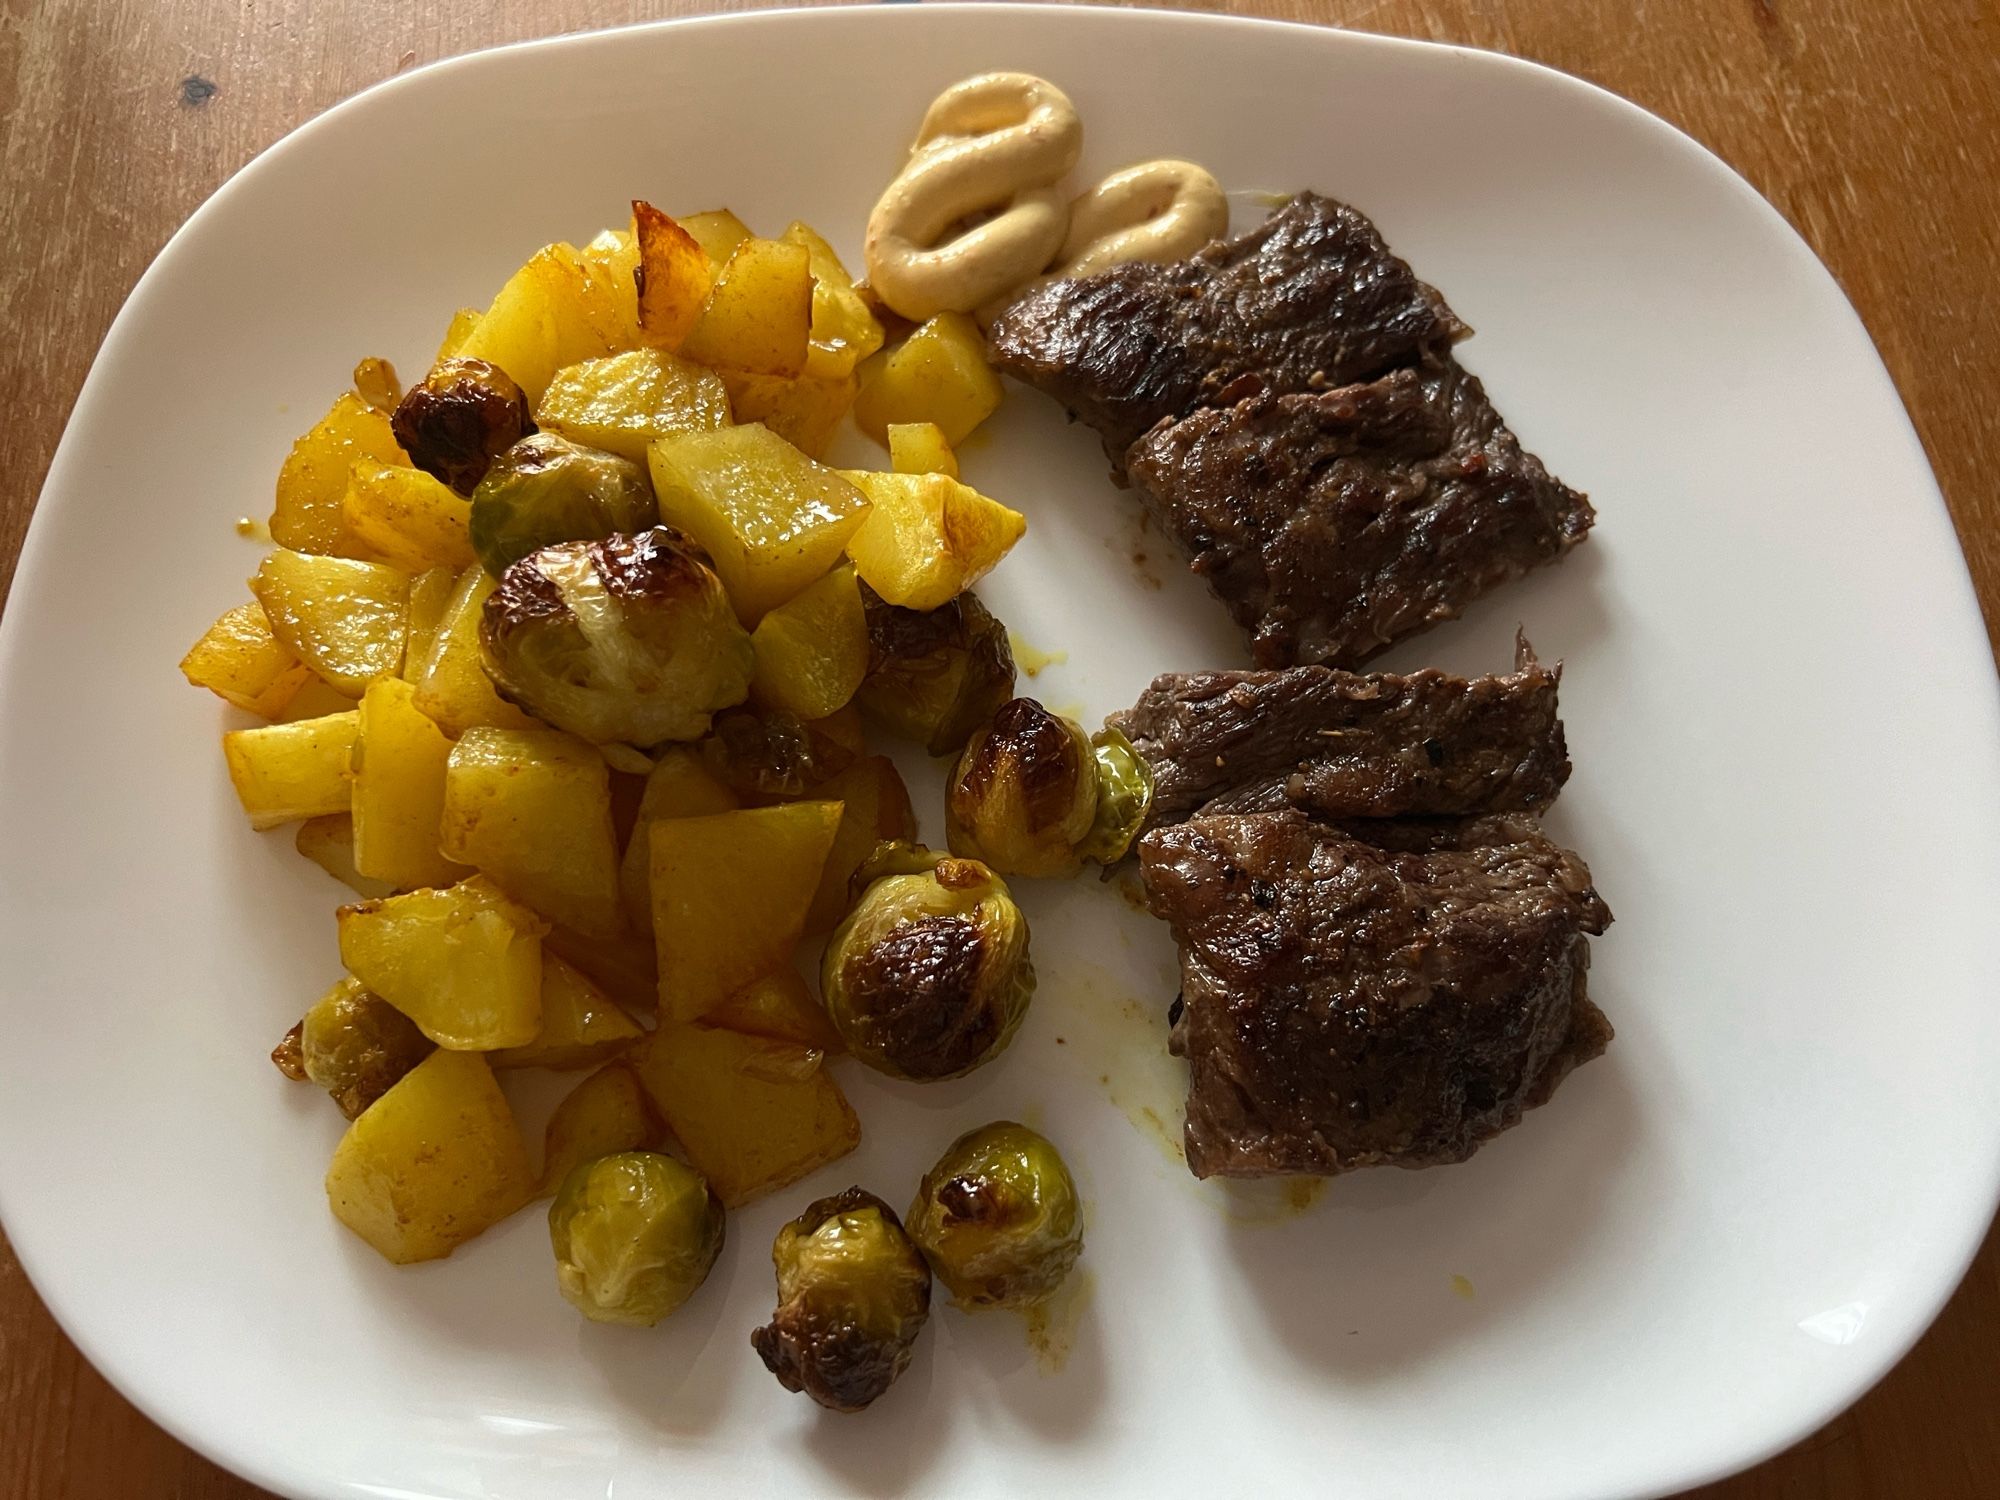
<point x="998" y="1217"/>
<point x="853" y="1294"/>
<point x="929" y="975"/>
<point x="546" y="489"/>
<point x="765" y="754"/>
<point x="634" y="1235"/>
<point x="629" y="640"/>
<point x="934" y="675"/>
<point x="1031" y="795"/>
<point x="354" y="1044"/>
<point x="458" y="418"/>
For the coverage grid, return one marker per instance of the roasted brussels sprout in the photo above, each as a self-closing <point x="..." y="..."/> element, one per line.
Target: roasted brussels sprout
<point x="853" y="1294"/>
<point x="353" y="1044"/>
<point x="454" y="421"/>
<point x="634" y="1234"/>
<point x="998" y="1217"/>
<point x="1032" y="795"/>
<point x="929" y="975"/>
<point x="628" y="640"/>
<point x="546" y="489"/>
<point x="766" y="754"/>
<point x="934" y="675"/>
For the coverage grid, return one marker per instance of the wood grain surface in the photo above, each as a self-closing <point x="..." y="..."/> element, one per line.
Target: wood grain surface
<point x="1873" y="125"/>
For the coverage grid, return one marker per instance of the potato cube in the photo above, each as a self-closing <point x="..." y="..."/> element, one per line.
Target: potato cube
<point x="771" y="518"/>
<point x="717" y="231"/>
<point x="844" y="728"/>
<point x="432" y="1163"/>
<point x="411" y="520"/>
<point x="452" y="685"/>
<point x="240" y="661"/>
<point x="531" y="809"/>
<point x="622" y="967"/>
<point x="753" y="1115"/>
<point x="608" y="1112"/>
<point x="812" y="650"/>
<point x="875" y="805"/>
<point x="781" y="1008"/>
<point x="730" y="894"/>
<point x="938" y="374"/>
<point x="805" y="412"/>
<point x="612" y="260"/>
<point x="673" y="280"/>
<point x="622" y="403"/>
<point x="460" y="329"/>
<point x="465" y="963"/>
<point x="928" y="538"/>
<point x="430" y="597"/>
<point x="347" y="620"/>
<point x="328" y="841"/>
<point x="680" y="785"/>
<point x="552" y="312"/>
<point x="844" y="330"/>
<point x="307" y="516"/>
<point x="758" y="316"/>
<point x="399" y="776"/>
<point x="581" y="1024"/>
<point x="283" y="772"/>
<point x="920" y="448"/>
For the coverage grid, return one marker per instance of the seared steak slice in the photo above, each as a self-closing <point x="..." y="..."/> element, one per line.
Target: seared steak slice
<point x="1336" y="523"/>
<point x="1350" y="1002"/>
<point x="1310" y="299"/>
<point x="1345" y="745"/>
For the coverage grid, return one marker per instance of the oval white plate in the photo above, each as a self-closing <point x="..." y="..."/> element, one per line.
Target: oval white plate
<point x="1779" y="698"/>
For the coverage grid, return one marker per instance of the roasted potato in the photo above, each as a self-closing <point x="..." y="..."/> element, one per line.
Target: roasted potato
<point x="399" y="780"/>
<point x="284" y="772"/>
<point x="609" y="1111"/>
<point x="452" y="686"/>
<point x="752" y="1115"/>
<point x="581" y="1025"/>
<point x="458" y="331"/>
<point x="779" y="1007"/>
<point x="804" y="411"/>
<point x="555" y="311"/>
<point x="240" y="661"/>
<point x="432" y="1163"/>
<point x="673" y="277"/>
<point x="328" y="841"/>
<point x="430" y="597"/>
<point x="812" y="650"/>
<point x="622" y="403"/>
<point x="612" y="258"/>
<point x="920" y="448"/>
<point x="312" y="485"/>
<point x="927" y="538"/>
<point x="622" y="967"/>
<point x="758" y="317"/>
<point x="409" y="519"/>
<point x="717" y="231"/>
<point x="464" y="963"/>
<point x="680" y="785"/>
<point x="347" y="620"/>
<point x="938" y="374"/>
<point x="844" y="330"/>
<point x="730" y="895"/>
<point x="875" y="808"/>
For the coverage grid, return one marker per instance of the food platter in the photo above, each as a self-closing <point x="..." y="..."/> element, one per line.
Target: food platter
<point x="1778" y="697"/>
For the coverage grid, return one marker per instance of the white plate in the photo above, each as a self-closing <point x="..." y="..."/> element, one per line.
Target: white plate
<point x="1779" y="699"/>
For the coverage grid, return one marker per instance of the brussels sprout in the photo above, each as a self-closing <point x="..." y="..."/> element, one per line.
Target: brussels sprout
<point x="934" y="675"/>
<point x="634" y="1234"/>
<point x="353" y="1044"/>
<point x="929" y="975"/>
<point x="853" y="1294"/>
<point x="1032" y="795"/>
<point x="998" y="1217"/>
<point x="766" y="754"/>
<point x="461" y="414"/>
<point x="629" y="640"/>
<point x="546" y="489"/>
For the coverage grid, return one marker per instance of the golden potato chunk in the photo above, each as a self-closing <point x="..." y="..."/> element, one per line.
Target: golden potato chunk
<point x="464" y="963"/>
<point x="612" y="258"/>
<point x="812" y="650"/>
<point x="328" y="841"/>
<point x="240" y="661"/>
<point x="581" y="1024"/>
<point x="770" y="518"/>
<point x="920" y="448"/>
<point x="283" y="772"/>
<point x="458" y="331"/>
<point x="622" y="967"/>
<point x="673" y="277"/>
<point x="531" y="810"/>
<point x="347" y="620"/>
<point x="679" y="785"/>
<point x="928" y="538"/>
<point x="844" y="330"/>
<point x="875" y="806"/>
<point x="399" y="776"/>
<point x="316" y="700"/>
<point x="779" y="1007"/>
<point x="411" y="520"/>
<point x="308" y="515"/>
<point x="730" y="894"/>
<point x="758" y="316"/>
<point x="552" y="312"/>
<point x="844" y="728"/>
<point x="606" y="1113"/>
<point x="432" y="1163"/>
<point x="717" y="231"/>
<point x="753" y="1115"/>
<point x="805" y="412"/>
<point x="452" y="685"/>
<point x="430" y="597"/>
<point x="622" y="403"/>
<point x="938" y="374"/>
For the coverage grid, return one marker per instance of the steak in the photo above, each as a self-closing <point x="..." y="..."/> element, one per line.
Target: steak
<point x="1334" y="524"/>
<point x="1342" y="745"/>
<point x="1350" y="1001"/>
<point x="1310" y="299"/>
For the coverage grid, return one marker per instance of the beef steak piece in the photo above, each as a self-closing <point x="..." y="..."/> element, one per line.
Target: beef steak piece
<point x="1346" y="745"/>
<point x="1336" y="523"/>
<point x="1310" y="299"/>
<point x="1348" y="1001"/>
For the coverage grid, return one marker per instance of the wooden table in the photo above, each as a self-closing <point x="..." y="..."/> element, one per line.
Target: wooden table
<point x="1874" y="125"/>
